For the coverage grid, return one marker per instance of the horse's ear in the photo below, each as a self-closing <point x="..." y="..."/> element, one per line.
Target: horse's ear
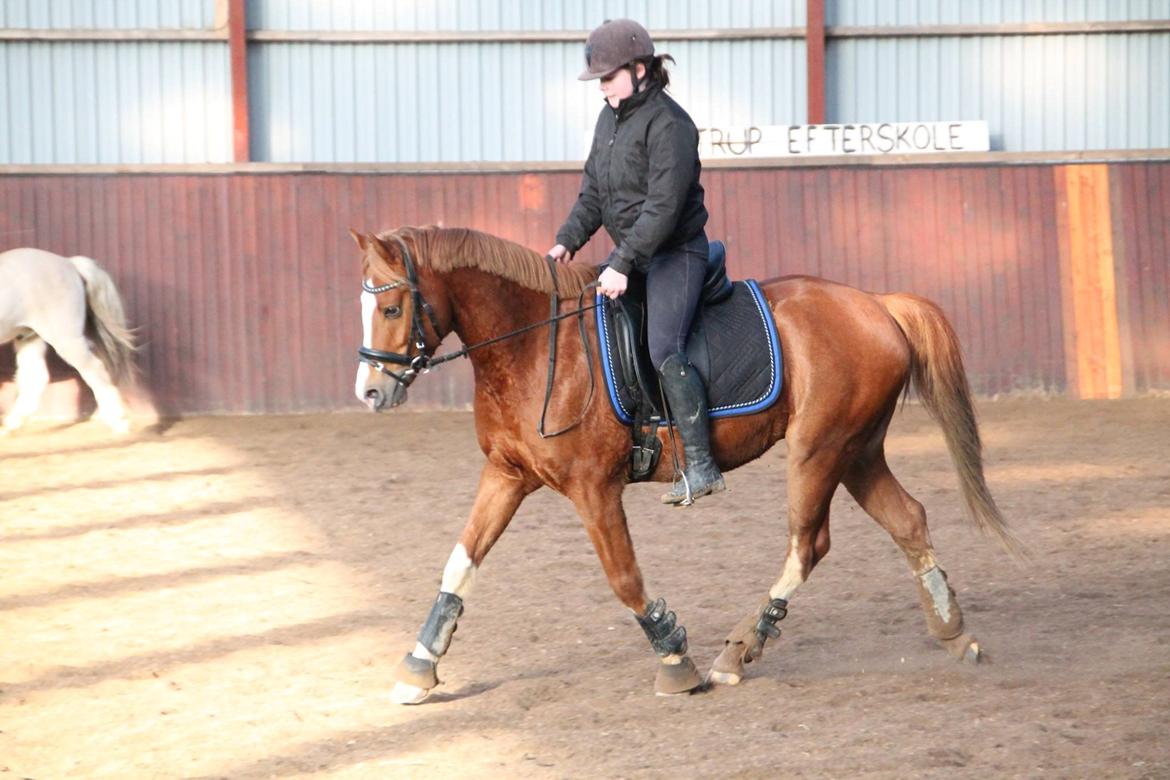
<point x="378" y="246"/>
<point x="359" y="239"/>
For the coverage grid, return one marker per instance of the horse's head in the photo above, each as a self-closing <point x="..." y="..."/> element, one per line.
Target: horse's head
<point x="399" y="328"/>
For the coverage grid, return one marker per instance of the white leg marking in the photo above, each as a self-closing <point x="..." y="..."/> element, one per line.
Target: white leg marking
<point x="458" y="576"/>
<point x="459" y="573"/>
<point x="423" y="654"/>
<point x="32" y="376"/>
<point x="936" y="586"/>
<point x="791" y="578"/>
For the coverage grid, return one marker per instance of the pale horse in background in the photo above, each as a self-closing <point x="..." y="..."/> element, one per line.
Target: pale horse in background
<point x="72" y="305"/>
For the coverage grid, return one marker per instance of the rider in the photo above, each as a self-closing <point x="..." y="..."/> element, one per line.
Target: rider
<point x="642" y="182"/>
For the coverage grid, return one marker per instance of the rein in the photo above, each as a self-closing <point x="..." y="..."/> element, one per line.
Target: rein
<point x="423" y="361"/>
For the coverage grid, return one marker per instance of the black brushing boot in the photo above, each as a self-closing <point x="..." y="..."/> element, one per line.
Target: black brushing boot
<point x="687" y="397"/>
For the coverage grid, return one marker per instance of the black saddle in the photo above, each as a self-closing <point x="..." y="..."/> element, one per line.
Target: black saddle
<point x="732" y="344"/>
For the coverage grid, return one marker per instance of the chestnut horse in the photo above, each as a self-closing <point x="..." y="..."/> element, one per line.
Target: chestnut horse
<point x="848" y="357"/>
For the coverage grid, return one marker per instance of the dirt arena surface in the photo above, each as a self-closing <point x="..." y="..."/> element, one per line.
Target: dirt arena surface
<point x="227" y="598"/>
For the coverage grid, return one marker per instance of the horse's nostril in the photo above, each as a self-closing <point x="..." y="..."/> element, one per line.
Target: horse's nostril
<point x="375" y="399"/>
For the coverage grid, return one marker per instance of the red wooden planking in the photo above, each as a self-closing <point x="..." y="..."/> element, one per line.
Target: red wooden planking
<point x="982" y="274"/>
<point x="253" y="196"/>
<point x="1157" y="234"/>
<point x="1131" y="180"/>
<point x="1007" y="346"/>
<point x="963" y="245"/>
<point x="179" y="246"/>
<point x="1050" y="257"/>
<point x="1121" y="278"/>
<point x="1027" y="373"/>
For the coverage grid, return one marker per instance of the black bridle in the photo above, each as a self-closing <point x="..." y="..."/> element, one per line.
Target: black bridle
<point x="423" y="360"/>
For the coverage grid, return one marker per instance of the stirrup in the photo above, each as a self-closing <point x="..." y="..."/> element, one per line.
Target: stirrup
<point x="688" y="496"/>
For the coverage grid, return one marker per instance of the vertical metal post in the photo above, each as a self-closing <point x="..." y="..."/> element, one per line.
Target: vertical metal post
<point x="815" y="50"/>
<point x="238" y="46"/>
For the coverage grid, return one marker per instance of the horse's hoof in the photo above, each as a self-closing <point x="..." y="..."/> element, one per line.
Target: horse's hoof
<point x="965" y="648"/>
<point x="404" y="693"/>
<point x="728" y="666"/>
<point x="724" y="678"/>
<point x="674" y="679"/>
<point x="119" y="425"/>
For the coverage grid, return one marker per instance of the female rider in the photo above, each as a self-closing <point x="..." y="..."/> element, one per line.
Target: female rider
<point x="641" y="182"/>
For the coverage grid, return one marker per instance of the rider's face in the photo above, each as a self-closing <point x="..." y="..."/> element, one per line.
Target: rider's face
<point x="618" y="86"/>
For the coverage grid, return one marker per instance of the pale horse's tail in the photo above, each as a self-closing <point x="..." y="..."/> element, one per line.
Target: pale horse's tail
<point x="941" y="383"/>
<point x="114" y="342"/>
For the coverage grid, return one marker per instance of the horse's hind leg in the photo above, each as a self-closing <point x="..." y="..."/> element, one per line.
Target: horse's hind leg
<point x="32" y="376"/>
<point x="601" y="510"/>
<point x="881" y="495"/>
<point x="813" y="475"/>
<point x="75" y="351"/>
<point x="501" y="489"/>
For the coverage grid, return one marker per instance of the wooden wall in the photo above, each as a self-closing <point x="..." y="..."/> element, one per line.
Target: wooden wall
<point x="245" y="285"/>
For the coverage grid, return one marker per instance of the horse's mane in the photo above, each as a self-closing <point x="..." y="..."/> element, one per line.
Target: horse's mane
<point x="445" y="249"/>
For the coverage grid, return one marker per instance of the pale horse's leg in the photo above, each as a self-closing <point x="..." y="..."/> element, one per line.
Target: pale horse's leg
<point x="73" y="347"/>
<point x="501" y="489"/>
<point x="32" y="376"/>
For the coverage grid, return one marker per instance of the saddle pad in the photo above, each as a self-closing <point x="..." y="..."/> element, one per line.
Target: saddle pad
<point x="733" y="345"/>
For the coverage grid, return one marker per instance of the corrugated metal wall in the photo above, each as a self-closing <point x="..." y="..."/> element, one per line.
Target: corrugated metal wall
<point x="1037" y="92"/>
<point x="65" y="102"/>
<point x="406" y="102"/>
<point x="488" y="101"/>
<point x="910" y="12"/>
<point x="245" y="287"/>
<point x="539" y="15"/>
<point x="107" y="14"/>
<point x="163" y="102"/>
<point x="111" y="102"/>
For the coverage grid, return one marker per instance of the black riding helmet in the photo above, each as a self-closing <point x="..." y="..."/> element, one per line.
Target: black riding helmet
<point x="617" y="43"/>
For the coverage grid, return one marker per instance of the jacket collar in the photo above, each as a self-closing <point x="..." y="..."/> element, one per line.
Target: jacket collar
<point x="631" y="104"/>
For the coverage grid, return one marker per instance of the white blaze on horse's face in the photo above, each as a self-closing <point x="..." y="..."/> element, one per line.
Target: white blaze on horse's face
<point x="367" y="377"/>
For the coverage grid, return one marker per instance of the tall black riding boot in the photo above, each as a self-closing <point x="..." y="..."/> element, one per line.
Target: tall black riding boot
<point x="687" y="397"/>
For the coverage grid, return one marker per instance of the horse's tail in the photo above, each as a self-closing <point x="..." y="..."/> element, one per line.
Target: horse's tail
<point x="941" y="382"/>
<point x="115" y="341"/>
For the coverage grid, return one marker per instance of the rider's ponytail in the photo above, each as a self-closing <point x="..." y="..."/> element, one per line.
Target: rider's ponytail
<point x="656" y="72"/>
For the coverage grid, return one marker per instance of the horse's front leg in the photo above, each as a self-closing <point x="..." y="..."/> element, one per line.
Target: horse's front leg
<point x="501" y="489"/>
<point x="605" y="521"/>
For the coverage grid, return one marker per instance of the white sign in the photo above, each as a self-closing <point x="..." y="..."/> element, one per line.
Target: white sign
<point x="846" y="139"/>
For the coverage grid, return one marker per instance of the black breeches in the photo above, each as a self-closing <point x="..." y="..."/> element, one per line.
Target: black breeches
<point x="673" y="286"/>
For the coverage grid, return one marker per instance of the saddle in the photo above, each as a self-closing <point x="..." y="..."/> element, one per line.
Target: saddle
<point x="733" y="345"/>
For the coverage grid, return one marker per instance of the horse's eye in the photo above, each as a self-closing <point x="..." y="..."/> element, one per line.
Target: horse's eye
<point x="392" y="312"/>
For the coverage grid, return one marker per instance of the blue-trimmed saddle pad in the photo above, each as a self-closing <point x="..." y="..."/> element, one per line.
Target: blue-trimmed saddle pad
<point x="733" y="344"/>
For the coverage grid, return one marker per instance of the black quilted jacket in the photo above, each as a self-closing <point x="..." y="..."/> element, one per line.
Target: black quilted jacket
<point x="641" y="181"/>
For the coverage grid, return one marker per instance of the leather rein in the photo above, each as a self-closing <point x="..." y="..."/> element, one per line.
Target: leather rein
<point x="423" y="360"/>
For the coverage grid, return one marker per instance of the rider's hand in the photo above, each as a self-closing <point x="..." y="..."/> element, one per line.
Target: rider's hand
<point x="612" y="283"/>
<point x="560" y="254"/>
